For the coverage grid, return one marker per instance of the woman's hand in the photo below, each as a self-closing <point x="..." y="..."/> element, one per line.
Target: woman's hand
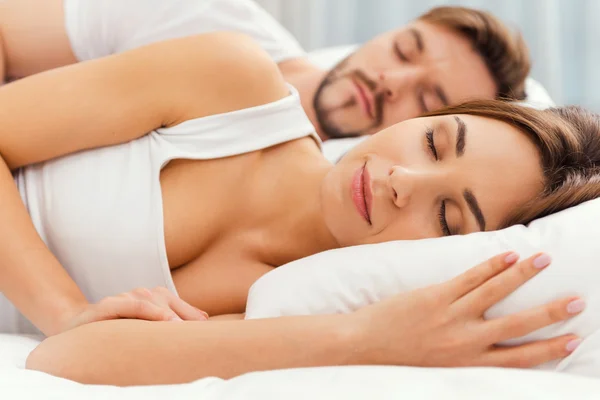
<point x="158" y="304"/>
<point x="443" y="325"/>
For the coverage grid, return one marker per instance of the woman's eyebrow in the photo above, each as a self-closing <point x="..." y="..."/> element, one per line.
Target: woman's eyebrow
<point x="475" y="209"/>
<point x="461" y="136"/>
<point x="470" y="199"/>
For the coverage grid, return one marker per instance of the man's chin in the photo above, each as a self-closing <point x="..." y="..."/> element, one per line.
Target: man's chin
<point x="338" y="130"/>
<point x="334" y="133"/>
<point x="330" y="113"/>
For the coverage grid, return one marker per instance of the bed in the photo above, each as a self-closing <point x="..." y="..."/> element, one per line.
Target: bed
<point x="315" y="383"/>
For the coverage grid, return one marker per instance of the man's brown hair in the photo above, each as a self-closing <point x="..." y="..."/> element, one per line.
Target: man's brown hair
<point x="504" y="52"/>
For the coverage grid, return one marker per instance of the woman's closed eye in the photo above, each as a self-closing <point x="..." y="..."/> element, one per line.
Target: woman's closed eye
<point x="442" y="218"/>
<point x="431" y="143"/>
<point x="429" y="135"/>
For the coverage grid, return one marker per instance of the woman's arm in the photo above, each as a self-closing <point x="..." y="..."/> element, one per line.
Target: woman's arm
<point x="132" y="352"/>
<point x="227" y="317"/>
<point x="124" y="96"/>
<point x="104" y="102"/>
<point x="441" y="325"/>
<point x="30" y="277"/>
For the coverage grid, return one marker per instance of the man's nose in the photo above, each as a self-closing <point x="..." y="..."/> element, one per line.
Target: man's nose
<point x="396" y="82"/>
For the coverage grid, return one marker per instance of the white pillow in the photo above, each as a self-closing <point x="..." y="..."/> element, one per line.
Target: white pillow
<point x="343" y="280"/>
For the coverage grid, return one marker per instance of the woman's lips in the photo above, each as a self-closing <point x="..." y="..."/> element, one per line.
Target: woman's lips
<point x="368" y="192"/>
<point x="364" y="98"/>
<point x="361" y="191"/>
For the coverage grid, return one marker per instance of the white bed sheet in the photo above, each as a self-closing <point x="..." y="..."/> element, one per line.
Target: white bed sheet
<point x="370" y="383"/>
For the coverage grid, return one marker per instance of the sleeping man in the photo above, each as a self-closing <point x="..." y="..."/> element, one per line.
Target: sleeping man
<point x="445" y="57"/>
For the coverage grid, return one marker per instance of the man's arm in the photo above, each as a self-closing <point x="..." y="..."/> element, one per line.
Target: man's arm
<point x="33" y="38"/>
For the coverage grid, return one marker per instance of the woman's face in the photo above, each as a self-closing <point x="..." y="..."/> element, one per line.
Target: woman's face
<point x="430" y="177"/>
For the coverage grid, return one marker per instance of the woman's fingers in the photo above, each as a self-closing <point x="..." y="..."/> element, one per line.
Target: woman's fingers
<point x="532" y="354"/>
<point x="523" y="323"/>
<point x="132" y="308"/>
<point x="158" y="304"/>
<point x="503" y="284"/>
<point x="477" y="276"/>
<point x="164" y="298"/>
<point x="184" y="310"/>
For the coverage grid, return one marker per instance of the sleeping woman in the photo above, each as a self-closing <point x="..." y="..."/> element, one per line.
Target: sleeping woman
<point x="133" y="193"/>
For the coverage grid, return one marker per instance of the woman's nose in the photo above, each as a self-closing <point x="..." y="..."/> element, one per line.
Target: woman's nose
<point x="408" y="183"/>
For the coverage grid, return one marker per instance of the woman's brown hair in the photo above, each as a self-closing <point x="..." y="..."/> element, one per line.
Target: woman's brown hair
<point x="568" y="141"/>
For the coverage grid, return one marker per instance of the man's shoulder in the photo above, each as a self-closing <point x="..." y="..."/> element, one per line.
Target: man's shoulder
<point x="96" y="29"/>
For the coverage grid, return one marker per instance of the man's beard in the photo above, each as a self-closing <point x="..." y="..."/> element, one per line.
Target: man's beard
<point x="330" y="128"/>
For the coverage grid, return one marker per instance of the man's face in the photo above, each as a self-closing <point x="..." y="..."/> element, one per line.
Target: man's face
<point x="400" y="75"/>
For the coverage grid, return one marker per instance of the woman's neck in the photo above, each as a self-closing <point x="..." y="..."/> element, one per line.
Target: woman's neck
<point x="290" y="190"/>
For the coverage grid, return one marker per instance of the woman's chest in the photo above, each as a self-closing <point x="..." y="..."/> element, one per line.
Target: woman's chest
<point x="204" y="202"/>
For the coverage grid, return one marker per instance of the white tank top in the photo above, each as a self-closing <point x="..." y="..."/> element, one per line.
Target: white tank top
<point x="100" y="211"/>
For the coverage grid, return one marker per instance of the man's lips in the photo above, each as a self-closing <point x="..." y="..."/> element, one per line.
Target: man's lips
<point x="365" y="98"/>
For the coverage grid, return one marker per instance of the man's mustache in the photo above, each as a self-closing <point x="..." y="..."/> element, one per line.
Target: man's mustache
<point x="371" y="84"/>
<point x="379" y="96"/>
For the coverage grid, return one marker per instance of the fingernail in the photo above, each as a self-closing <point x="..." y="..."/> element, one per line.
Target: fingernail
<point x="576" y="306"/>
<point x="573" y="344"/>
<point x="176" y="319"/>
<point x="205" y="315"/>
<point x="511" y="258"/>
<point x="542" y="261"/>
